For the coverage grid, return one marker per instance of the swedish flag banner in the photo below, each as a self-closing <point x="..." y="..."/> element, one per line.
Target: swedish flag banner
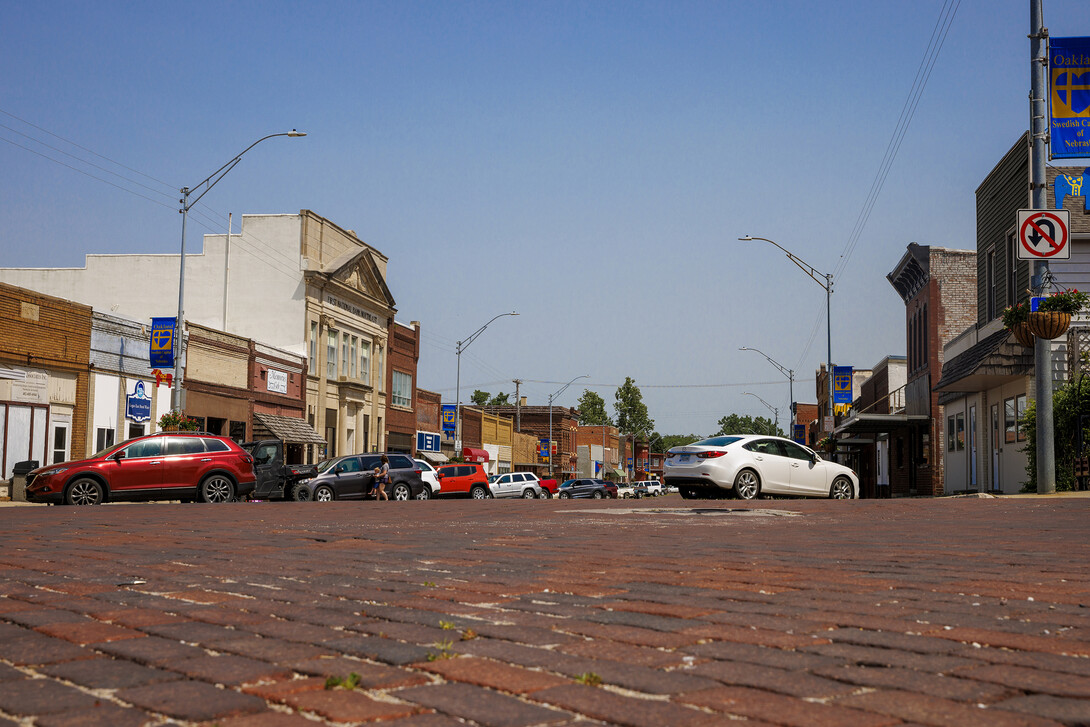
<point x="161" y="353"/>
<point x="1069" y="85"/>
<point x="842" y="384"/>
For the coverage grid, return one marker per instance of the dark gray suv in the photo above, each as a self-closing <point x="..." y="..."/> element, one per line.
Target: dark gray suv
<point x="352" y="476"/>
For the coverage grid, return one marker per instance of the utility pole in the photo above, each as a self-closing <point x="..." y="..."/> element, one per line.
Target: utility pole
<point x="1039" y="272"/>
<point x="518" y="405"/>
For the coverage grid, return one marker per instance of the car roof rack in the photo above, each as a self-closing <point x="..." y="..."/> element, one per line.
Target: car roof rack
<point x="167" y="434"/>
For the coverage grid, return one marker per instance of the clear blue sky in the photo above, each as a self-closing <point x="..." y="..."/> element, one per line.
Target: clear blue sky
<point x="588" y="164"/>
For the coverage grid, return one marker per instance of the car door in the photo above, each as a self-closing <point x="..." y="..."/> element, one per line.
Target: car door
<point x="266" y="467"/>
<point x="772" y="464"/>
<point x="183" y="462"/>
<point x="348" y="479"/>
<point x="503" y="486"/>
<point x="137" y="469"/>
<point x="808" y="474"/>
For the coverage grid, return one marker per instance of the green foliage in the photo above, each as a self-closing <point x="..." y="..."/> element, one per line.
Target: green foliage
<point x="483" y="398"/>
<point x="500" y="399"/>
<point x="1068" y="402"/>
<point x="1066" y="301"/>
<point x="673" y="440"/>
<point x="176" y="420"/>
<point x="737" y="424"/>
<point x="632" y="417"/>
<point x="589" y="678"/>
<point x="592" y="409"/>
<point x="350" y="682"/>
<point x="480" y="398"/>
<point x="1015" y="314"/>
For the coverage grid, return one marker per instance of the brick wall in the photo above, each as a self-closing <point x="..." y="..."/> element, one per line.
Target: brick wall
<point x="43" y="332"/>
<point x="403" y="354"/>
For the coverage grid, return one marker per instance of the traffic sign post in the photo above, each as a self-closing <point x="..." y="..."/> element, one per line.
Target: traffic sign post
<point x="1044" y="234"/>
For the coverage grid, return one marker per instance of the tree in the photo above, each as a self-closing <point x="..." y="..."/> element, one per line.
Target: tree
<point x="632" y="415"/>
<point x="499" y="399"/>
<point x="592" y="409"/>
<point x="667" y="441"/>
<point x="735" y="424"/>
<point x="480" y="398"/>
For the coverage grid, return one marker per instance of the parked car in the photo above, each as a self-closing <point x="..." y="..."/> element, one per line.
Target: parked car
<point x="161" y="466"/>
<point x="629" y="490"/>
<point x="431" y="479"/>
<point x="585" y="487"/>
<point x="653" y="488"/>
<point x="464" y="478"/>
<point x="748" y="465"/>
<point x="352" y="476"/>
<point x="610" y="487"/>
<point x="516" y="484"/>
<point x="275" y="478"/>
<point x="549" y="486"/>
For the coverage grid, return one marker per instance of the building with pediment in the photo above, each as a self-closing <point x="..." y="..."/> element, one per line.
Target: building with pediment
<point x="295" y="282"/>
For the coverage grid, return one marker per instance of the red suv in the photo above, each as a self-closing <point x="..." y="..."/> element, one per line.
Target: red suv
<point x="463" y="478"/>
<point x="163" y="466"/>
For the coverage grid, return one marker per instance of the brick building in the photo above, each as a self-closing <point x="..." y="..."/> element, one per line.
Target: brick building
<point x="400" y="383"/>
<point x="428" y="433"/>
<point x="45" y="345"/>
<point x="598" y="444"/>
<point x="535" y="420"/>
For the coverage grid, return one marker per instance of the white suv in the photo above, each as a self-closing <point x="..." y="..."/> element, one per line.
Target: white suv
<point x="516" y="484"/>
<point x="427" y="473"/>
<point x="653" y="487"/>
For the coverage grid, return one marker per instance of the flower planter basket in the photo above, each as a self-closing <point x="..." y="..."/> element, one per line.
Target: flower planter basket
<point x="1048" y="324"/>
<point x="1023" y="334"/>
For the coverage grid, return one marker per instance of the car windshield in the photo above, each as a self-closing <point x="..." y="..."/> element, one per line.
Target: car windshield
<point x="716" y="441"/>
<point x="324" y="465"/>
<point x="493" y="478"/>
<point x="112" y="448"/>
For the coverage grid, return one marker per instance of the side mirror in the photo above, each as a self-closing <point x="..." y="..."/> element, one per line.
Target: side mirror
<point x="119" y="455"/>
<point x="338" y="469"/>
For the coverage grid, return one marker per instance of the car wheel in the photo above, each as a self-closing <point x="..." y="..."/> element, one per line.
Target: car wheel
<point x="84" y="491"/>
<point x="747" y="485"/>
<point x="425" y="493"/>
<point x="546" y="495"/>
<point x="528" y="494"/>
<point x="401" y="492"/>
<point x="841" y="489"/>
<point x="478" y="493"/>
<point x="217" y="488"/>
<point x="597" y="495"/>
<point x="301" y="493"/>
<point x="323" y="493"/>
<point x="564" y="496"/>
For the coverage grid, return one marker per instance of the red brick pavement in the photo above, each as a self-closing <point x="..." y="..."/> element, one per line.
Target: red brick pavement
<point x="523" y="613"/>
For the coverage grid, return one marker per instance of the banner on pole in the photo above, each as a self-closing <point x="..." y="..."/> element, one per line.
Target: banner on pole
<point x="161" y="352"/>
<point x="1069" y="93"/>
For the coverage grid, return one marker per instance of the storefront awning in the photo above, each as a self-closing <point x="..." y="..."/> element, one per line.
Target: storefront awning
<point x="433" y="457"/>
<point x="479" y="456"/>
<point x="879" y="423"/>
<point x="992" y="362"/>
<point x="290" y="429"/>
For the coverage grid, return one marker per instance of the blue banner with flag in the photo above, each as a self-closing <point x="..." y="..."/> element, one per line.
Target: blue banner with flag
<point x="161" y="351"/>
<point x="842" y="384"/>
<point x="1069" y="86"/>
<point x="450" y="413"/>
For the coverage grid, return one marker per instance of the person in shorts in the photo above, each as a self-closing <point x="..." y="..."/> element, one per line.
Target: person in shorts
<point x="382" y="478"/>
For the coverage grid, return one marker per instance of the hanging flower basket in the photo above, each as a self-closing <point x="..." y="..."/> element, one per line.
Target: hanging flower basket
<point x="1023" y="334"/>
<point x="1048" y="324"/>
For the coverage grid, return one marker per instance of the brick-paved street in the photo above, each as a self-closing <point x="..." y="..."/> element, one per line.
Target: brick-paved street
<point x="518" y="613"/>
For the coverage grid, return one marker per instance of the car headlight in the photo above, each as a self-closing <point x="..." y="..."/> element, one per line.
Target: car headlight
<point x="54" y="471"/>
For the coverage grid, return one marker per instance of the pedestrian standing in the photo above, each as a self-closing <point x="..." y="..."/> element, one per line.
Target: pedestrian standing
<point x="382" y="478"/>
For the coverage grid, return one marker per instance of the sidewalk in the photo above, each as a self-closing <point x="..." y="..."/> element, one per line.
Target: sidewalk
<point x="956" y="611"/>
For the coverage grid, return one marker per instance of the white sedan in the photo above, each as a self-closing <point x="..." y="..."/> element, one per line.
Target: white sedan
<point x="748" y="465"/>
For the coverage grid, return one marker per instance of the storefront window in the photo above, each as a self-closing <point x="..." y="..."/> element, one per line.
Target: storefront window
<point x="402" y="389"/>
<point x="1021" y="411"/>
<point x="331" y="355"/>
<point x="950" y="434"/>
<point x="352" y="345"/>
<point x="1010" y="421"/>
<point x="959" y="426"/>
<point x="365" y="361"/>
<point x="313" y="363"/>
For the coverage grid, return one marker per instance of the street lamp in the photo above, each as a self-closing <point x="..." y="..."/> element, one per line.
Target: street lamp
<point x="462" y="345"/>
<point x="774" y="410"/>
<point x="551" y="397"/>
<point x="786" y="372"/>
<point x="825" y="280"/>
<point x="208" y="182"/>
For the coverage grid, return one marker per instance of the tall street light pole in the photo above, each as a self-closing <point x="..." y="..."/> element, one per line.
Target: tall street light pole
<point x="790" y="380"/>
<point x="462" y="345"/>
<point x="551" y="397"/>
<point x="187" y="204"/>
<point x="774" y="410"/>
<point x="825" y="280"/>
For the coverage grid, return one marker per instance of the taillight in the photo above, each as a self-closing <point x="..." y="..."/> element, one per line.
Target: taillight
<point x="709" y="455"/>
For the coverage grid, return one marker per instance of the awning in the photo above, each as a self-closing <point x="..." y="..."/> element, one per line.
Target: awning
<point x="290" y="429"/>
<point x="880" y="423"/>
<point x="620" y="473"/>
<point x="994" y="361"/>
<point x="433" y="457"/>
<point x="479" y="456"/>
